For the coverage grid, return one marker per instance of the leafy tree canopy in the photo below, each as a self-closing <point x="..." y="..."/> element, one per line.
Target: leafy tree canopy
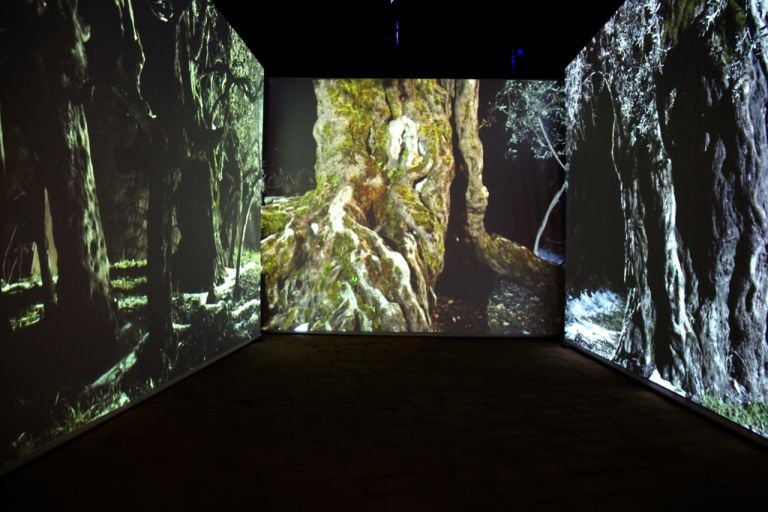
<point x="533" y="112"/>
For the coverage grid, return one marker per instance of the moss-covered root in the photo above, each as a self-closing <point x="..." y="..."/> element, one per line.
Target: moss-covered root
<point x="363" y="250"/>
<point x="339" y="276"/>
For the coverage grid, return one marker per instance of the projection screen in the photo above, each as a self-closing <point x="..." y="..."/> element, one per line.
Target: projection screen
<point x="667" y="269"/>
<point x="130" y="145"/>
<point x="414" y="205"/>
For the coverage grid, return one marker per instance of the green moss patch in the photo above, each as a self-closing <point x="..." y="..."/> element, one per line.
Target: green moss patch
<point x="754" y="416"/>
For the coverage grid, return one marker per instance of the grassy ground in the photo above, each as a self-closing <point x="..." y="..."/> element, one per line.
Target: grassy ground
<point x="753" y="416"/>
<point x="201" y="332"/>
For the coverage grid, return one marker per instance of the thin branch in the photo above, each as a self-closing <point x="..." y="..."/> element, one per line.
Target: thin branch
<point x="544" y="221"/>
<point x="549" y="144"/>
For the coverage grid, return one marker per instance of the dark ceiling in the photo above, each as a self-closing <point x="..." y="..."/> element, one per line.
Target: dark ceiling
<point x="470" y="38"/>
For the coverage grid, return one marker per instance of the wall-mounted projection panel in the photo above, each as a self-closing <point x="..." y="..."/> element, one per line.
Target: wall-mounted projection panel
<point x="414" y="206"/>
<point x="130" y="147"/>
<point x="668" y="191"/>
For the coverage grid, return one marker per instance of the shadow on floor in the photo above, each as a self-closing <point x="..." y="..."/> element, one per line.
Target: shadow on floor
<point x="400" y="423"/>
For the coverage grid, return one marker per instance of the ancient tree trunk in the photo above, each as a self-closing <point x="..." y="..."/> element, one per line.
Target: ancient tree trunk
<point x="119" y="120"/>
<point x="175" y="101"/>
<point x="721" y="222"/>
<point x="363" y="250"/>
<point x="693" y="189"/>
<point x="162" y="177"/>
<point x="199" y="258"/>
<point x="503" y="256"/>
<point x="52" y="65"/>
<point x="83" y="288"/>
<point x="198" y="261"/>
<point x="159" y="252"/>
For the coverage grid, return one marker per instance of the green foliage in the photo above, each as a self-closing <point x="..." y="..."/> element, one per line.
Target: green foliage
<point x="358" y="101"/>
<point x="533" y="114"/>
<point x="754" y="416"/>
<point x="27" y="317"/>
<point x="91" y="406"/>
<point x="681" y="14"/>
<point x="132" y="303"/>
<point x="250" y="256"/>
<point x="128" y="284"/>
<point x="66" y="417"/>
<point x="126" y="264"/>
<point x="273" y="220"/>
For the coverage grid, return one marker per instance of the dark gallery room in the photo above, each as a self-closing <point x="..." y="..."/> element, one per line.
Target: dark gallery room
<point x="383" y="255"/>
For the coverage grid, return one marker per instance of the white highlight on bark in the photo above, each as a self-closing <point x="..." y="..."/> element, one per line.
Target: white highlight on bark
<point x="657" y="379"/>
<point x="336" y="210"/>
<point x="402" y="274"/>
<point x="403" y="138"/>
<point x="674" y="276"/>
<point x="419" y="185"/>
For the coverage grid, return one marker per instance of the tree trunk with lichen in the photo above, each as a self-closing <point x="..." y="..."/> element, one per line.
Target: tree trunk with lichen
<point x="363" y="250"/>
<point x="688" y="93"/>
<point x="505" y="257"/>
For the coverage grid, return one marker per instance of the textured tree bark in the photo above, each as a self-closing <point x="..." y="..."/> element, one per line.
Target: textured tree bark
<point x="503" y="256"/>
<point x="192" y="73"/>
<point x="83" y="288"/>
<point x="363" y="250"/>
<point x="159" y="256"/>
<point x="120" y="124"/>
<point x="176" y="104"/>
<point x="199" y="258"/>
<point x="694" y="192"/>
<point x="162" y="179"/>
<point x="721" y="221"/>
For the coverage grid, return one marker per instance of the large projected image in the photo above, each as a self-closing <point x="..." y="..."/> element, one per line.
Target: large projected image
<point x="414" y="206"/>
<point x="130" y="147"/>
<point x="668" y="191"/>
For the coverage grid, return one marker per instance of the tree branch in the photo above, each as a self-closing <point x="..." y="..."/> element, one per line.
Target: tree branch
<point x="545" y="220"/>
<point x="549" y="144"/>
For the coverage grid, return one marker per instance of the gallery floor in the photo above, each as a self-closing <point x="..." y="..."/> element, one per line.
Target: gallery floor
<point x="381" y="423"/>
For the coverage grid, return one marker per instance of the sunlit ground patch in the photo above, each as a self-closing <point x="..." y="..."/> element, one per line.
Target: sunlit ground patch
<point x="593" y="320"/>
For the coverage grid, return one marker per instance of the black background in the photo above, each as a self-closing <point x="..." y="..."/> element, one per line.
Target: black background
<point x="437" y="38"/>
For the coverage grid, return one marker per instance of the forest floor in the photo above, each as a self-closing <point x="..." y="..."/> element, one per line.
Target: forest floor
<point x="593" y="320"/>
<point x="459" y="316"/>
<point x="39" y="403"/>
<point x="508" y="309"/>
